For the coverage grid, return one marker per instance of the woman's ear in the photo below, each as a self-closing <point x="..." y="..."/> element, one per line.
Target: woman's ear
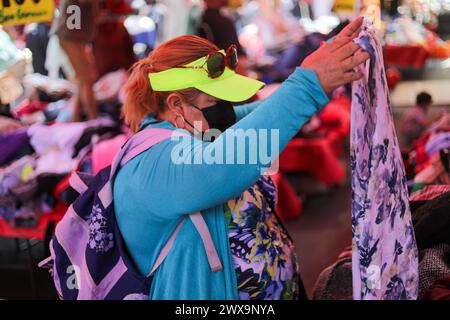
<point x="175" y="103"/>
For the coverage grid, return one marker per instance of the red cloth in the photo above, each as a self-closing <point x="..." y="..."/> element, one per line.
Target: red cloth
<point x="62" y="186"/>
<point x="346" y="253"/>
<point x="317" y="156"/>
<point x="335" y="116"/>
<point x="112" y="48"/>
<point x="405" y="55"/>
<point x="393" y="77"/>
<point x="337" y="144"/>
<point x="439" y="290"/>
<point x="429" y="192"/>
<point x="39" y="231"/>
<point x="118" y="7"/>
<point x="289" y="205"/>
<point x="28" y="107"/>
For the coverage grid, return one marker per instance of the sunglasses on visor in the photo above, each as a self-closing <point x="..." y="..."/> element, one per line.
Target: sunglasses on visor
<point x="216" y="62"/>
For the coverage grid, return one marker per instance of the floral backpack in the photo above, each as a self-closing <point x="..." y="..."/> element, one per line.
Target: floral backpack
<point x="88" y="259"/>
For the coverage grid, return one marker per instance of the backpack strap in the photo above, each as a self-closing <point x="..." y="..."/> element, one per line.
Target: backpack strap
<point x="165" y="250"/>
<point x="76" y="183"/>
<point x="140" y="142"/>
<point x="79" y="181"/>
<point x="211" y="252"/>
<point x="202" y="228"/>
<point x="137" y="144"/>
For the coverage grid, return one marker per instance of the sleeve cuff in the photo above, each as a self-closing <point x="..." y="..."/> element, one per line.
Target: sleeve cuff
<point x="311" y="81"/>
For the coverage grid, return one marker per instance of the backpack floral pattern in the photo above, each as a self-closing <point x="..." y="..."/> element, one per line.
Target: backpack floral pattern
<point x="99" y="238"/>
<point x="385" y="254"/>
<point x="263" y="254"/>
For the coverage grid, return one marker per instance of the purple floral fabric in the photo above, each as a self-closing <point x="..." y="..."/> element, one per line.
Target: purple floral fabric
<point x="385" y="255"/>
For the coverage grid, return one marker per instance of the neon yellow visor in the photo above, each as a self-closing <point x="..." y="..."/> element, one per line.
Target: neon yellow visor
<point x="230" y="86"/>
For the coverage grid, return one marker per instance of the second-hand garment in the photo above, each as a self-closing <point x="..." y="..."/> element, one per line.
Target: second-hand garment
<point x="438" y="142"/>
<point x="434" y="264"/>
<point x="13" y="145"/>
<point x="385" y="255"/>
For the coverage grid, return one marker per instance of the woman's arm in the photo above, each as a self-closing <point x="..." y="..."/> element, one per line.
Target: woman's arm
<point x="213" y="173"/>
<point x="244" y="109"/>
<point x="223" y="169"/>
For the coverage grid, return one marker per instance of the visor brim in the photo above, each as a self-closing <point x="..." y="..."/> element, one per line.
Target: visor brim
<point x="236" y="88"/>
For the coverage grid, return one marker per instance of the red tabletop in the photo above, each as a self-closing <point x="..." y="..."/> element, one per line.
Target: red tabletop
<point x="405" y="55"/>
<point x="38" y="232"/>
<point x="319" y="156"/>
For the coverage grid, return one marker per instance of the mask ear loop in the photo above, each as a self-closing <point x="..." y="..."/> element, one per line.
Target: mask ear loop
<point x="184" y="121"/>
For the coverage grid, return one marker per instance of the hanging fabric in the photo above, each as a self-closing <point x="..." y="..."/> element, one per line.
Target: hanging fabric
<point x="385" y="255"/>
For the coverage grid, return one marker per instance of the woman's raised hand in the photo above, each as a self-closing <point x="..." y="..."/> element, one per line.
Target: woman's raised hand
<point x="334" y="61"/>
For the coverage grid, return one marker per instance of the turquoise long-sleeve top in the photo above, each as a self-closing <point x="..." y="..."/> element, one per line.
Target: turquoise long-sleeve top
<point x="152" y="192"/>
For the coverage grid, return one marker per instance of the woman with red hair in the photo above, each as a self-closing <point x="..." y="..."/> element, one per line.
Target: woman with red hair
<point x="187" y="85"/>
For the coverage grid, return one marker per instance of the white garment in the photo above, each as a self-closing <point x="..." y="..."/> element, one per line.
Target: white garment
<point x="48" y="84"/>
<point x="56" y="59"/>
<point x="55" y="161"/>
<point x="107" y="88"/>
<point x="322" y="8"/>
<point x="55" y="144"/>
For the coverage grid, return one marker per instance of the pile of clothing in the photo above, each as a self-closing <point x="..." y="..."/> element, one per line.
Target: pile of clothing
<point x="405" y="31"/>
<point x="428" y="161"/>
<point x="40" y="147"/>
<point x="431" y="218"/>
<point x="47" y="100"/>
<point x="36" y="159"/>
<point x="430" y="205"/>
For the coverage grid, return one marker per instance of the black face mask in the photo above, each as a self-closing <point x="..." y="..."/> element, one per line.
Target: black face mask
<point x="219" y="116"/>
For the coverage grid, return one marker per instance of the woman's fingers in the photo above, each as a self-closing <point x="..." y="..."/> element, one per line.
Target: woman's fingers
<point x="355" y="60"/>
<point x="352" y="29"/>
<point x="357" y="31"/>
<point x="334" y="62"/>
<point x="351" y="76"/>
<point x="336" y="44"/>
<point x="346" y="51"/>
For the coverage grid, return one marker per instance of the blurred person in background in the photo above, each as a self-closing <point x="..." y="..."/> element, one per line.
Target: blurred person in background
<point x="113" y="46"/>
<point x="220" y="29"/>
<point x="414" y="121"/>
<point x="76" y="42"/>
<point x="37" y="41"/>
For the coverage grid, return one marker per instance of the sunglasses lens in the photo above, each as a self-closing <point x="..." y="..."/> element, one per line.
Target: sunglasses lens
<point x="232" y="58"/>
<point x="216" y="65"/>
